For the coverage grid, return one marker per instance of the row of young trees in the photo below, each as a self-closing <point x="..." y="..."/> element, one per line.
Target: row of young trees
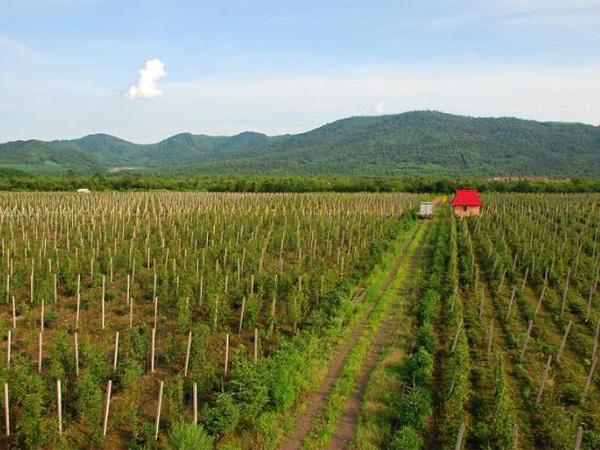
<point x="506" y="330"/>
<point x="539" y="261"/>
<point x="125" y="314"/>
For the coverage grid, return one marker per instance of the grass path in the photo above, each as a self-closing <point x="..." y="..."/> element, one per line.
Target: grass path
<point x="317" y="401"/>
<point x="347" y="425"/>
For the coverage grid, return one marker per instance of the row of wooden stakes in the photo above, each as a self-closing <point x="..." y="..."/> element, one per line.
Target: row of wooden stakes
<point x="109" y="386"/>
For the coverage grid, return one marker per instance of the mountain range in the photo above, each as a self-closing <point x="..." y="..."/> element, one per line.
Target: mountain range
<point x="413" y="143"/>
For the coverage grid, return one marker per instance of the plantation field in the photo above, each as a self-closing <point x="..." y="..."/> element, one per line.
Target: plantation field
<point x="298" y="321"/>
<point x="239" y="298"/>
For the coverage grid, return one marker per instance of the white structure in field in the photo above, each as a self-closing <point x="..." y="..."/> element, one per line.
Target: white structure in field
<point x="426" y="209"/>
<point x="83" y="191"/>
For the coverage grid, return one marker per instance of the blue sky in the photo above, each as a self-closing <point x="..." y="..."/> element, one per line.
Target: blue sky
<point x="67" y="66"/>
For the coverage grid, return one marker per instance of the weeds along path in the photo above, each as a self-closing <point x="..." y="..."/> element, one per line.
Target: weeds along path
<point x="347" y="424"/>
<point x="315" y="403"/>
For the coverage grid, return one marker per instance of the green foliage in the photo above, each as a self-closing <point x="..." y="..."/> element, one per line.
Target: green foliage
<point x="187" y="436"/>
<point x="129" y="371"/>
<point x="408" y="144"/>
<point x="88" y="404"/>
<point x="175" y="399"/>
<point x="406" y="438"/>
<point x="414" y="407"/>
<point x="249" y="387"/>
<point x="420" y="367"/>
<point x="223" y="415"/>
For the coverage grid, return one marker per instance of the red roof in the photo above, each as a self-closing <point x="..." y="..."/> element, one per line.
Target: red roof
<point x="466" y="197"/>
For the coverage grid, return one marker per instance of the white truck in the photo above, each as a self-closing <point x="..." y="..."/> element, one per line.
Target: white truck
<point x="426" y="210"/>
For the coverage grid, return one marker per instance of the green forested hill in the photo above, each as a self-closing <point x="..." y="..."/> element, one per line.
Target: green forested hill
<point x="413" y="143"/>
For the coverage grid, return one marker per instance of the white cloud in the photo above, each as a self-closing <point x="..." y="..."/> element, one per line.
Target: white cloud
<point x="146" y="87"/>
<point x="299" y="102"/>
<point x="379" y="108"/>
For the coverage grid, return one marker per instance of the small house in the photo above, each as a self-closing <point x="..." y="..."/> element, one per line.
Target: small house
<point x="466" y="202"/>
<point x="83" y="191"/>
<point x="426" y="210"/>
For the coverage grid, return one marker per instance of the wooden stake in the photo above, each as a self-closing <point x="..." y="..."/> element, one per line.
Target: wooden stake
<point x="515" y="437"/>
<point x="103" y="297"/>
<point x="31" y="286"/>
<point x="14" y="313"/>
<point x="539" y="303"/>
<point x="155" y="311"/>
<point x="510" y="304"/>
<point x="564" y="341"/>
<point x="226" y="353"/>
<point x="525" y="280"/>
<point x="522" y="355"/>
<point x="501" y="280"/>
<point x="42" y="316"/>
<point x="456" y="337"/>
<point x="152" y="347"/>
<point x="59" y="403"/>
<point x="579" y="438"/>
<point x="108" y="392"/>
<point x="195" y="394"/>
<point x="595" y="349"/>
<point x="588" y="380"/>
<point x="78" y="301"/>
<point x="187" y="354"/>
<point x="40" y="344"/>
<point x="131" y="313"/>
<point x="8" y="346"/>
<point x="589" y="303"/>
<point x="116" y="355"/>
<point x="215" y="321"/>
<point x="564" y="299"/>
<point x="242" y="314"/>
<point x="76" y="340"/>
<point x="160" y="397"/>
<point x="255" y="345"/>
<point x="459" y="438"/>
<point x="544" y="377"/>
<point x="6" y="410"/>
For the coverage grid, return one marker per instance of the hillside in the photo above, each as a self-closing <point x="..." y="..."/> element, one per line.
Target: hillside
<point x="413" y="143"/>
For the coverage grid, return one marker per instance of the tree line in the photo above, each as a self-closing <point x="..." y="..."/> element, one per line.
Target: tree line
<point x="101" y="182"/>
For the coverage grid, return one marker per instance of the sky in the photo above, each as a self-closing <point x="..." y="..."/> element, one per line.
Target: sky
<point x="143" y="70"/>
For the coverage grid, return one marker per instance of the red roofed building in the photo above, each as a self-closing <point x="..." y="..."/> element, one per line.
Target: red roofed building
<point x="466" y="202"/>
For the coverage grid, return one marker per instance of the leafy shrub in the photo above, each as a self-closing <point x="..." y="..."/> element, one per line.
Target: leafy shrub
<point x="88" y="404"/>
<point x="414" y="407"/>
<point x="570" y="394"/>
<point x="187" y="436"/>
<point x="406" y="438"/>
<point x="249" y="387"/>
<point x="426" y="337"/>
<point x="175" y="400"/>
<point x="420" y="367"/>
<point x="129" y="371"/>
<point x="223" y="416"/>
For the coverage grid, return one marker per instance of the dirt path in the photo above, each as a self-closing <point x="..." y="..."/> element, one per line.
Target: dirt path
<point x="303" y="423"/>
<point x="346" y="427"/>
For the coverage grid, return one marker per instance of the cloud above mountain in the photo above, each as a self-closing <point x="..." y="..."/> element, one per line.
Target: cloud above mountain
<point x="147" y="87"/>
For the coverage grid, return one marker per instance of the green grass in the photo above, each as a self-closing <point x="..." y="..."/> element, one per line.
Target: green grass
<point x="317" y="364"/>
<point x="346" y="382"/>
